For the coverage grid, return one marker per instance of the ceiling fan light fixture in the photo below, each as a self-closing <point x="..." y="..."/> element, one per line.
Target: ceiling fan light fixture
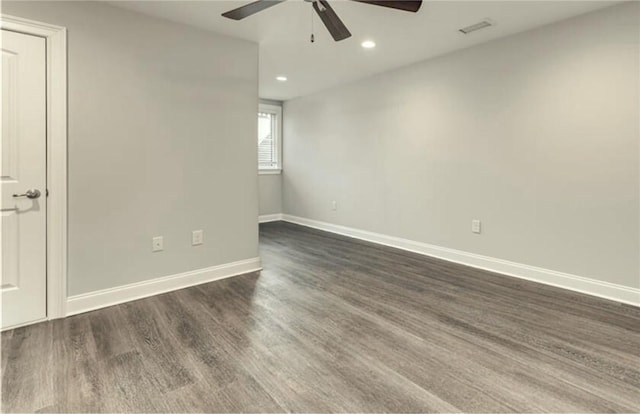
<point x="368" y="44"/>
<point x="281" y="78"/>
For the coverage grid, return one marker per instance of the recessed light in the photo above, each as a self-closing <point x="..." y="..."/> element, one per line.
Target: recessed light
<point x="368" y="44"/>
<point x="281" y="78"/>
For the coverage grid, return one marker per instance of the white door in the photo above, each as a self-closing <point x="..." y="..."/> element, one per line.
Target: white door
<point x="23" y="281"/>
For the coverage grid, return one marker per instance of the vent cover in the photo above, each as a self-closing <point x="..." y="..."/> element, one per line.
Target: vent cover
<point x="480" y="25"/>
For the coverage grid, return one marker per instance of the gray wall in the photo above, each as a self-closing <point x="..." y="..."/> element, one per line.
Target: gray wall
<point x="270" y="189"/>
<point x="537" y="135"/>
<point x="162" y="141"/>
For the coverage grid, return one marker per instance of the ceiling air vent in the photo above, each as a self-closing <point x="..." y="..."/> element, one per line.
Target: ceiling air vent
<point x="480" y="25"/>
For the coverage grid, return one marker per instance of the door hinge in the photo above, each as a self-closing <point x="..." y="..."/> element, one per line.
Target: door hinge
<point x="46" y="192"/>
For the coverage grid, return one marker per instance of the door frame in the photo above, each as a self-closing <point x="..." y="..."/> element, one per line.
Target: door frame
<point x="56" y="78"/>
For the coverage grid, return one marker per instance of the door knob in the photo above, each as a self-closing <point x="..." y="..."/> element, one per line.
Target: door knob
<point x="34" y="193"/>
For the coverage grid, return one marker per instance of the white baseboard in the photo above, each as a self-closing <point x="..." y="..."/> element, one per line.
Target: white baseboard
<point x="580" y="284"/>
<point x="113" y="296"/>
<point x="267" y="218"/>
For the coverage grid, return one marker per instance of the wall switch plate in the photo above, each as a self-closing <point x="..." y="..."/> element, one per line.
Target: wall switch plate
<point x="158" y="244"/>
<point x="475" y="226"/>
<point x="197" y="237"/>
<point x="334" y="205"/>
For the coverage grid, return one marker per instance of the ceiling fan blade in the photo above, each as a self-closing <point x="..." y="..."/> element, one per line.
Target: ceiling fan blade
<point x="330" y="19"/>
<point x="251" y="8"/>
<point x="406" y="5"/>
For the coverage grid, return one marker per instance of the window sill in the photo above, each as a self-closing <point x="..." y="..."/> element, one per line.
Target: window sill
<point x="270" y="172"/>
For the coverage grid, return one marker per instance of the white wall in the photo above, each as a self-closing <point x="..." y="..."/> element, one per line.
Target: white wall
<point x="537" y="135"/>
<point x="162" y="141"/>
<point x="270" y="190"/>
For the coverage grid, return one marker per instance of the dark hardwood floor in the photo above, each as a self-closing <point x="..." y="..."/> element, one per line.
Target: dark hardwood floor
<point x="335" y="325"/>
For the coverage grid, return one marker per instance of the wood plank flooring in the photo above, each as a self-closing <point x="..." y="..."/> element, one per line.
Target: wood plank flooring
<point x="334" y="325"/>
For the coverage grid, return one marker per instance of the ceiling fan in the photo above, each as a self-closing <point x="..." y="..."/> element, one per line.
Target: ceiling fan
<point x="328" y="16"/>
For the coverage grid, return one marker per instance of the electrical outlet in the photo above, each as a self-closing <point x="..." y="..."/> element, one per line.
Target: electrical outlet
<point x="197" y="237"/>
<point x="475" y="226"/>
<point x="158" y="244"/>
<point x="334" y="205"/>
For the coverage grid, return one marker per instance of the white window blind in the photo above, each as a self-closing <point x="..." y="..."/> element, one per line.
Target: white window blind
<point x="269" y="138"/>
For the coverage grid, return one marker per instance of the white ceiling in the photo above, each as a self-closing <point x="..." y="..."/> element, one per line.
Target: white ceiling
<point x="402" y="38"/>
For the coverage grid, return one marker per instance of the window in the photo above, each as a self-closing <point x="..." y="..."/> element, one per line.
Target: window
<point x="269" y="139"/>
